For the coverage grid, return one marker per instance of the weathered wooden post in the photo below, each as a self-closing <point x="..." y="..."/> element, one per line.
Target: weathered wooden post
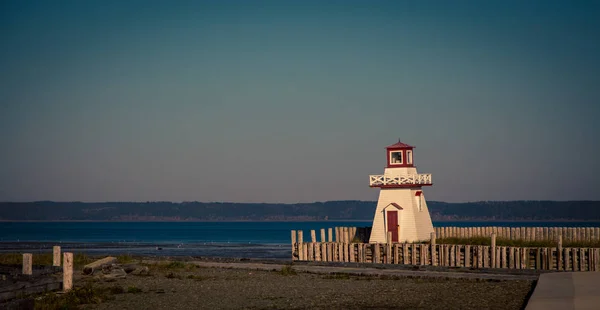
<point x="56" y="255"/>
<point x="433" y="249"/>
<point x="27" y="264"/>
<point x="493" y="250"/>
<point x="330" y="234"/>
<point x="559" y="251"/>
<point x="388" y="248"/>
<point x="294" y="247"/>
<point x="301" y="245"/>
<point x="313" y="236"/>
<point x="376" y="254"/>
<point x="67" y="271"/>
<point x="323" y="235"/>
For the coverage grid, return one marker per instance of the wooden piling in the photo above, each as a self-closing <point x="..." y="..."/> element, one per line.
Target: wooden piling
<point x="559" y="254"/>
<point x="388" y="250"/>
<point x="377" y="254"/>
<point x="493" y="250"/>
<point x="67" y="271"/>
<point x="433" y="249"/>
<point x="467" y="256"/>
<point x="294" y="247"/>
<point x="323" y="235"/>
<point x="413" y="254"/>
<point x="56" y="255"/>
<point x="317" y="250"/>
<point x="301" y="245"/>
<point x="330" y="233"/>
<point x="27" y="264"/>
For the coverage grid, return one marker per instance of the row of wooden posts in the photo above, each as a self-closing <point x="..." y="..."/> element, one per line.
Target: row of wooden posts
<point x="568" y="234"/>
<point x="450" y="255"/>
<point x="67" y="263"/>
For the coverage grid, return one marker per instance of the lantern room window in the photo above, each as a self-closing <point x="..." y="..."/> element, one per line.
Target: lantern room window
<point x="409" y="157"/>
<point x="396" y="157"/>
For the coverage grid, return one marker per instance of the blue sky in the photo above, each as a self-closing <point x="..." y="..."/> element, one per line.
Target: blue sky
<point x="294" y="101"/>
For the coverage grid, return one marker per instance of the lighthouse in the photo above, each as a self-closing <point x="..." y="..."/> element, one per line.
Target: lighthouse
<point x="401" y="208"/>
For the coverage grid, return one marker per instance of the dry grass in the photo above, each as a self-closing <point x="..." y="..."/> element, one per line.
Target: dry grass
<point x="517" y="243"/>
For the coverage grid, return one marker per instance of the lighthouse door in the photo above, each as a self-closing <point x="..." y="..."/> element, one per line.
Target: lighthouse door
<point x="392" y="224"/>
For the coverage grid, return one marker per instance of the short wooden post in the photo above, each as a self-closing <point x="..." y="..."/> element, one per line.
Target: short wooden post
<point x="503" y="257"/>
<point x="335" y="252"/>
<point x="524" y="258"/>
<point x="317" y="251"/>
<point x="56" y="255"/>
<point x="511" y="257"/>
<point x="559" y="265"/>
<point x="313" y="236"/>
<point x="301" y="245"/>
<point x="388" y="250"/>
<point x="311" y="254"/>
<point x="493" y="250"/>
<point x="405" y="258"/>
<point x="413" y="254"/>
<point x="324" y="255"/>
<point x="329" y="246"/>
<point x="330" y="234"/>
<point x="452" y="256"/>
<point x="575" y="258"/>
<point x="294" y="247"/>
<point x="467" y="256"/>
<point x="376" y="254"/>
<point x="567" y="259"/>
<point x="27" y="264"/>
<point x="67" y="271"/>
<point x="323" y="239"/>
<point x="337" y="235"/>
<point x="359" y="254"/>
<point x="433" y="249"/>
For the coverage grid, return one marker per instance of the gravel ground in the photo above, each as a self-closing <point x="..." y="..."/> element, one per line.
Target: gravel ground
<point x="215" y="288"/>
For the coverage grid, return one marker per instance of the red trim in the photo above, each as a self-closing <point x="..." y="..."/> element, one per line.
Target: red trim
<point x="418" y="193"/>
<point x="401" y="185"/>
<point x="404" y="158"/>
<point x="396" y="205"/>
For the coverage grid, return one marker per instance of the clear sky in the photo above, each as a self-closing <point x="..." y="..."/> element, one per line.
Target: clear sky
<point x="294" y="101"/>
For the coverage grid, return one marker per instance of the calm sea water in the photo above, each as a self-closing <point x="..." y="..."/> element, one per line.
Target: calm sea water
<point x="219" y="239"/>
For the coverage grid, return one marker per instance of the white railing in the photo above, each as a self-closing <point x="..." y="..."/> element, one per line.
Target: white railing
<point x="410" y="179"/>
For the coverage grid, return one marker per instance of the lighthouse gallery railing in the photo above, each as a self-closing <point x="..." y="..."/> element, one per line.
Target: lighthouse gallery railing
<point x="377" y="180"/>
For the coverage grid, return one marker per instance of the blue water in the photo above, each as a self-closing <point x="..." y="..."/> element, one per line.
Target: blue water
<point x="217" y="239"/>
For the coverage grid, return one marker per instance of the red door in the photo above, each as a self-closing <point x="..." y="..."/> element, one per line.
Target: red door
<point x="392" y="224"/>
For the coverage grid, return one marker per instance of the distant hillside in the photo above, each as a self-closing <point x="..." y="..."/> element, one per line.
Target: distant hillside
<point x="330" y="210"/>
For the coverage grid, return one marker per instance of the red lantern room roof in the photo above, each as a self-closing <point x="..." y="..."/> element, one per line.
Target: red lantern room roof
<point x="400" y="145"/>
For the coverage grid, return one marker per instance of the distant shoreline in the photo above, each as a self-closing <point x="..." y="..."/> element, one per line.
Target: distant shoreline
<point x="281" y="221"/>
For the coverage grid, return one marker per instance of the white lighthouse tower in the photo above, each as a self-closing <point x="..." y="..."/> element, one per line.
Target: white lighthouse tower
<point x="401" y="208"/>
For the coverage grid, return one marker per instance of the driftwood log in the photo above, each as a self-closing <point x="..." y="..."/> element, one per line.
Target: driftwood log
<point x="90" y="268"/>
